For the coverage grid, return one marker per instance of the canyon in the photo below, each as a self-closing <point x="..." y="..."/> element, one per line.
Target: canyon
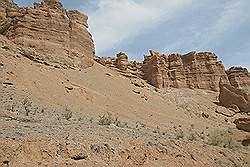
<point x="63" y="105"/>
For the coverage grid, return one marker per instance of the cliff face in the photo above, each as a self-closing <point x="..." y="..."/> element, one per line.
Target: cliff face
<point x="192" y="70"/>
<point x="239" y="77"/>
<point x="238" y="91"/>
<point x="230" y="96"/>
<point x="54" y="36"/>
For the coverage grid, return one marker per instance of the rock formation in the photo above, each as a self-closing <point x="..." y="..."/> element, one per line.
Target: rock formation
<point x="105" y="61"/>
<point x="122" y="61"/>
<point x="131" y="69"/>
<point x="53" y="35"/>
<point x="230" y="95"/>
<point x="243" y="124"/>
<point x="192" y="70"/>
<point x="239" y="77"/>
<point x="237" y="92"/>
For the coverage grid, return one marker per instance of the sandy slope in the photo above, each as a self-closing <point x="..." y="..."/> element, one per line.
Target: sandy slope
<point x="154" y="120"/>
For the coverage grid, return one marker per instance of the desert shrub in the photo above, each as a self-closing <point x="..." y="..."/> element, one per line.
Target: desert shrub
<point x="27" y="106"/>
<point x="192" y="137"/>
<point x="105" y="119"/>
<point x="68" y="113"/>
<point x="179" y="134"/>
<point x="222" y="139"/>
<point x="108" y="119"/>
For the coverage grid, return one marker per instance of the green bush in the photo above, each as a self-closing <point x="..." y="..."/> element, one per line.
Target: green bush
<point x="222" y="139"/>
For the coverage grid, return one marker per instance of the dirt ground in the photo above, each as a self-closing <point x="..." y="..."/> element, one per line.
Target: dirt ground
<point x="97" y="117"/>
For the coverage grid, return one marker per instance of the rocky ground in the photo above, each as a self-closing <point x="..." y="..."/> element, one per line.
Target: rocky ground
<point x="56" y="112"/>
<point x="98" y="117"/>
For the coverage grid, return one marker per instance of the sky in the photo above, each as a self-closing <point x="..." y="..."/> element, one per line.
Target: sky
<point x="168" y="26"/>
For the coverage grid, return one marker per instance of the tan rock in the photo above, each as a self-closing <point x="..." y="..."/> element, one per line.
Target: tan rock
<point x="192" y="70"/>
<point x="105" y="61"/>
<point x="138" y="82"/>
<point x="224" y="111"/>
<point x="137" y="91"/>
<point x="239" y="77"/>
<point x="230" y="95"/>
<point x="57" y="36"/>
<point x="122" y="61"/>
<point x="243" y="124"/>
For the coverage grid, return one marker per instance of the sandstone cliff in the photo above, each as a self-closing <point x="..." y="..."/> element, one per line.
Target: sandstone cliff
<point x="239" y="77"/>
<point x="237" y="92"/>
<point x="52" y="35"/>
<point x="230" y="96"/>
<point x="192" y="70"/>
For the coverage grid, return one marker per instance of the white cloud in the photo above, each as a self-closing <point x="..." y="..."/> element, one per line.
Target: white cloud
<point x="117" y="21"/>
<point x="232" y="15"/>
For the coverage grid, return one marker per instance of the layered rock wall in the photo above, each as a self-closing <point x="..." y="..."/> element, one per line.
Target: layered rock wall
<point x="237" y="92"/>
<point x="239" y="77"/>
<point x="192" y="70"/>
<point x="57" y="36"/>
<point x="230" y="96"/>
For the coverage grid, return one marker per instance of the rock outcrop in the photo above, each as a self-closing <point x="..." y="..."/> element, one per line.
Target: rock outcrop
<point x="193" y="70"/>
<point x="122" y="61"/>
<point x="239" y="77"/>
<point x="236" y="93"/>
<point x="53" y="35"/>
<point x="131" y="69"/>
<point x="243" y="124"/>
<point x="230" y="96"/>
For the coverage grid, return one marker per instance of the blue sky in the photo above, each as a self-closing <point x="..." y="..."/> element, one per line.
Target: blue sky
<point x="180" y="26"/>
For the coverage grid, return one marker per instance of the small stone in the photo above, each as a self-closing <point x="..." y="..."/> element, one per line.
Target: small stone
<point x="69" y="87"/>
<point x="136" y="91"/>
<point x="205" y="115"/>
<point x="109" y="74"/>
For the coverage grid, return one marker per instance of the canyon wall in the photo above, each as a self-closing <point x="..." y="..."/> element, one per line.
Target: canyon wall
<point x="239" y="77"/>
<point x="193" y="70"/>
<point x="237" y="93"/>
<point x="53" y="35"/>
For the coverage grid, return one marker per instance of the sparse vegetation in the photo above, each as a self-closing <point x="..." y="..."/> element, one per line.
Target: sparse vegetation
<point x="68" y="113"/>
<point x="27" y="105"/>
<point x="105" y="119"/>
<point x="179" y="134"/>
<point x="222" y="139"/>
<point x="192" y="137"/>
<point x="140" y="125"/>
<point x="108" y="119"/>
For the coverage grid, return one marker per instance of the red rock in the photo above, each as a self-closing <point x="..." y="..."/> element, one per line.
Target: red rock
<point x="239" y="77"/>
<point x="56" y="35"/>
<point x="192" y="70"/>
<point x="122" y="61"/>
<point x="230" y="95"/>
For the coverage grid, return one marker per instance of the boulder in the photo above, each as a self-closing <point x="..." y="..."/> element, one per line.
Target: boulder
<point x="224" y="111"/>
<point x="243" y="124"/>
